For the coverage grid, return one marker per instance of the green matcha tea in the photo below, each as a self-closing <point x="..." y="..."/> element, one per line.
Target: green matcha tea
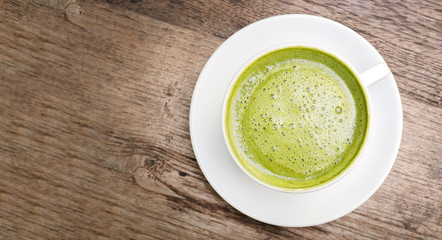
<point x="296" y="118"/>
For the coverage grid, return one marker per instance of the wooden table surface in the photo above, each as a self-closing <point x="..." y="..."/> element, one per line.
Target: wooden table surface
<point x="94" y="119"/>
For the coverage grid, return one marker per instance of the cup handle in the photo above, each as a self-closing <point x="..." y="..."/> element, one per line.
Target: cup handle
<point x="375" y="74"/>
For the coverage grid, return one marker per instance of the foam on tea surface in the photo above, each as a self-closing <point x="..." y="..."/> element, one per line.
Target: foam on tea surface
<point x="296" y="118"/>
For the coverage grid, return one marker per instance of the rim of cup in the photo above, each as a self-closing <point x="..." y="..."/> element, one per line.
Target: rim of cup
<point x="340" y="175"/>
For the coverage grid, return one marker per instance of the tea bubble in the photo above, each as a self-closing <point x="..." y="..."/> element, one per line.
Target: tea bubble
<point x="338" y="110"/>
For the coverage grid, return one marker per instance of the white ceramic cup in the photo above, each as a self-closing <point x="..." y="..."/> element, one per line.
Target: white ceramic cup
<point x="366" y="78"/>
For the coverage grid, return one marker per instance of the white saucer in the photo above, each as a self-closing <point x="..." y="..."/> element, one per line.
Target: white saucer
<point x="248" y="196"/>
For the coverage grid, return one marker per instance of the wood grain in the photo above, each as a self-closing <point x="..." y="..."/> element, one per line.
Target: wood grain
<point x="94" y="110"/>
